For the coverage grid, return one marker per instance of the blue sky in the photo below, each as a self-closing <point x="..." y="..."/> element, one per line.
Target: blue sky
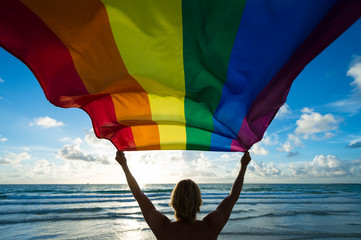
<point x="315" y="138"/>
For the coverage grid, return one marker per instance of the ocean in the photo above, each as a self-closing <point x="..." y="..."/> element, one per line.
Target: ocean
<point x="263" y="211"/>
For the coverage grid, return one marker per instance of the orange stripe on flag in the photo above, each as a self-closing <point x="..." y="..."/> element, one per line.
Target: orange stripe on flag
<point x="149" y="139"/>
<point x="127" y="109"/>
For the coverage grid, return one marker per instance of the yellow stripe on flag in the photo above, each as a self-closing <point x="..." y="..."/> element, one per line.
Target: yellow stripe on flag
<point x="153" y="29"/>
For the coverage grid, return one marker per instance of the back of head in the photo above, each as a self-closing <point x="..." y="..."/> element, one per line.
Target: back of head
<point x="186" y="200"/>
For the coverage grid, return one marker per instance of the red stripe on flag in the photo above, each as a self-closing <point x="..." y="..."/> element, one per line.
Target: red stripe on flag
<point x="27" y="37"/>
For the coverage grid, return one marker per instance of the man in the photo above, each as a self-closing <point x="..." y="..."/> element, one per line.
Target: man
<point x="185" y="196"/>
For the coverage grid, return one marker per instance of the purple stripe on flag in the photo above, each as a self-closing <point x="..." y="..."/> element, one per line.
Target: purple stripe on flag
<point x="341" y="16"/>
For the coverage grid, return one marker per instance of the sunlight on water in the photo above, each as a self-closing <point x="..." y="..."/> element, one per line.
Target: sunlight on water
<point x="132" y="229"/>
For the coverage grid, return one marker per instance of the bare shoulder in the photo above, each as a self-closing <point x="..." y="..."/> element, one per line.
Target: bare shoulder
<point x="198" y="230"/>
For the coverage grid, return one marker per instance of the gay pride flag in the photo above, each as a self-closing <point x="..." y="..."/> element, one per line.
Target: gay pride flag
<point x="172" y="74"/>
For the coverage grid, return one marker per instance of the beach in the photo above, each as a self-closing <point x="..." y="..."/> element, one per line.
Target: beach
<point x="263" y="211"/>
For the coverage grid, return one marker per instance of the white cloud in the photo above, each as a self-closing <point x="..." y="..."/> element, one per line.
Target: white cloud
<point x="263" y="169"/>
<point x="295" y="140"/>
<point x="355" y="73"/>
<point x="80" y="165"/>
<point x="19" y="157"/>
<point x="284" y="111"/>
<point x="65" y="139"/>
<point x="172" y="166"/>
<point x="2" y="80"/>
<point x="78" y="140"/>
<point x="292" y="141"/>
<point x="352" y="104"/>
<point x="45" y="171"/>
<point x="43" y="167"/>
<point x="196" y="165"/>
<point x="286" y="147"/>
<point x="46" y="122"/>
<point x="307" y="110"/>
<point x="237" y="155"/>
<point x="4" y="161"/>
<point x="3" y="139"/>
<point x="270" y="139"/>
<point x="312" y="123"/>
<point x="73" y="152"/>
<point x="355" y="144"/>
<point x="95" y="142"/>
<point x="325" y="166"/>
<point x="14" y="158"/>
<point x="92" y="160"/>
<point x="267" y="140"/>
<point x="257" y="149"/>
<point x="225" y="156"/>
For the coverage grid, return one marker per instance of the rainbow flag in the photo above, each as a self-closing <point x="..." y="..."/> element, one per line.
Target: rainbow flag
<point x="172" y="74"/>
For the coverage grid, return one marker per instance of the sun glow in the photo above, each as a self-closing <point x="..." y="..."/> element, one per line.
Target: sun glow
<point x="143" y="174"/>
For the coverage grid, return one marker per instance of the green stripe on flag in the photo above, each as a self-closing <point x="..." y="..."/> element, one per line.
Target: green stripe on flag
<point x="207" y="47"/>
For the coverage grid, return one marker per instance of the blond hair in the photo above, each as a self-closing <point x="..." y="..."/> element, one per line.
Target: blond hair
<point x="186" y="200"/>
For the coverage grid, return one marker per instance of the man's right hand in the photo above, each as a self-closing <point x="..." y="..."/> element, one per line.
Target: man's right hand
<point x="245" y="159"/>
<point x="120" y="157"/>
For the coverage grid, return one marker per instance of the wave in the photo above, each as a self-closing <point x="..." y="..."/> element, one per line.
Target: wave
<point x="79" y="214"/>
<point x="293" y="234"/>
<point x="39" y="191"/>
<point x="299" y="202"/>
<point x="55" y="211"/>
<point x="63" y="202"/>
<point x="158" y="190"/>
<point x="57" y="218"/>
<point x="58" y="196"/>
<point x="110" y="191"/>
<point x="67" y="196"/>
<point x="240" y="202"/>
<point x="101" y="192"/>
<point x="109" y="210"/>
<point x="292" y="213"/>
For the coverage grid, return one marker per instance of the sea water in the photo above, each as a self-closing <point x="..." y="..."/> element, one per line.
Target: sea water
<point x="263" y="211"/>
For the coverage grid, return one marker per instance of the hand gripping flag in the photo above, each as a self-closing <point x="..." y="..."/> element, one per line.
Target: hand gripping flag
<point x="172" y="74"/>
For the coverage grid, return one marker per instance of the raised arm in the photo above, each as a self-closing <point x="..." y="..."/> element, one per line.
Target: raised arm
<point x="238" y="183"/>
<point x="218" y="218"/>
<point x="155" y="219"/>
